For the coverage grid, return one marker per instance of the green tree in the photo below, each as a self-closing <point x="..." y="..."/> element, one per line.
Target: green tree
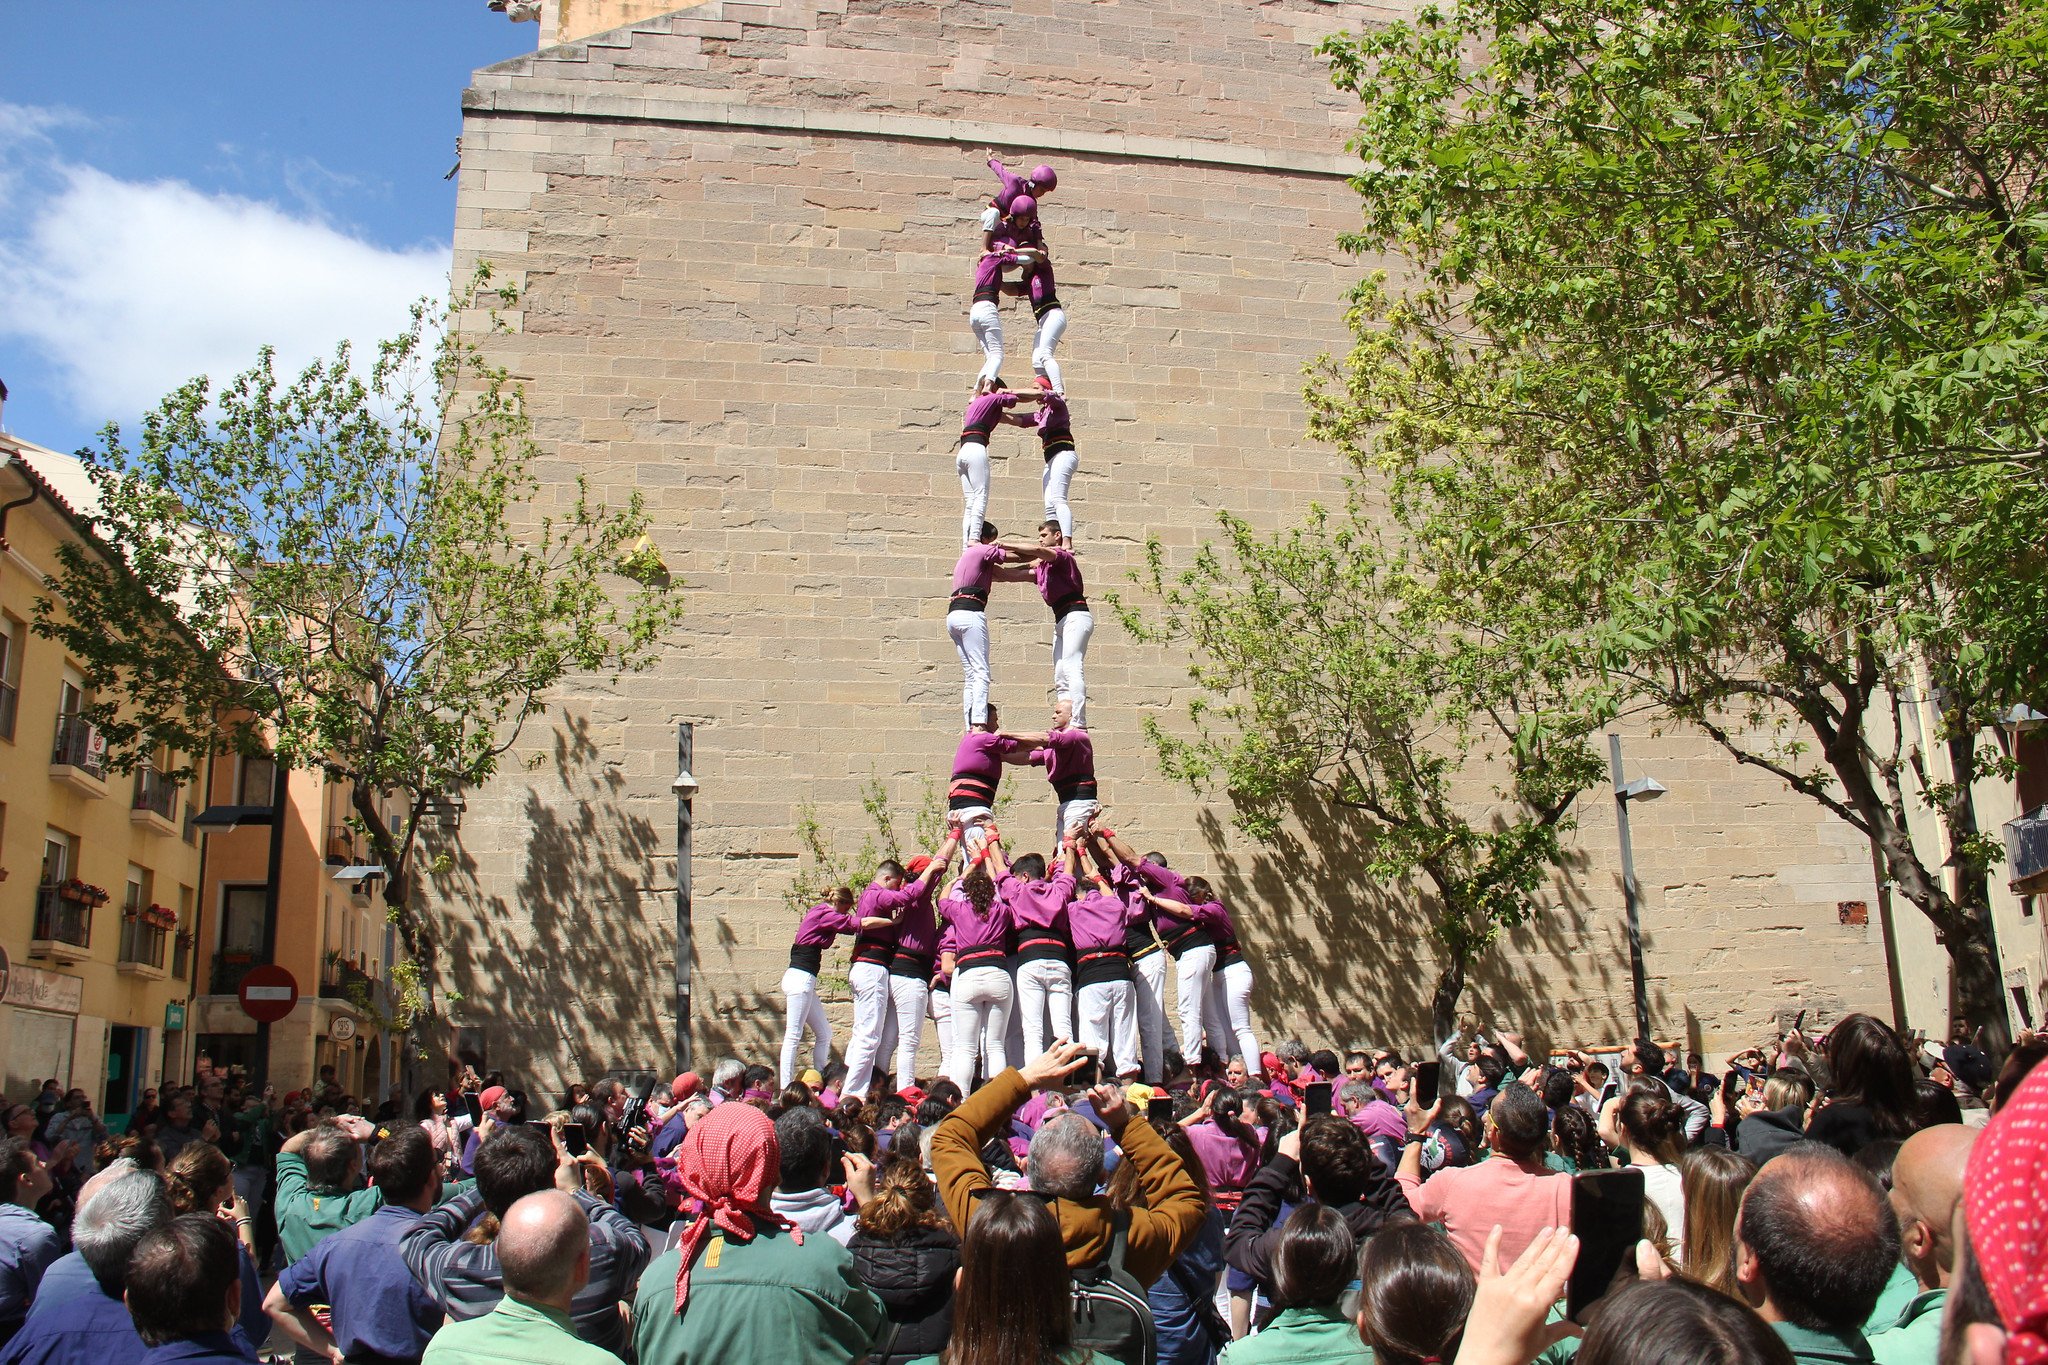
<point x="1724" y="359"/>
<point x="355" y="572"/>
<point x="1329" y="668"/>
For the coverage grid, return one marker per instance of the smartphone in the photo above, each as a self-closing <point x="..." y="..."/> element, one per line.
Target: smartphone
<point x="1607" y="1218"/>
<point x="1088" y="1075"/>
<point x="1159" y="1109"/>
<point x="1427" y="1078"/>
<point x="1316" y="1098"/>
<point x="1797" y="1020"/>
<point x="573" y="1140"/>
<point x="474" y="1103"/>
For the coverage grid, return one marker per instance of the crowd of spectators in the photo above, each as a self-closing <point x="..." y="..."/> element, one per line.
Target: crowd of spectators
<point x="1845" y="1198"/>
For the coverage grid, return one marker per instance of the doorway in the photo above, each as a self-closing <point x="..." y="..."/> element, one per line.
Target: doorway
<point x="124" y="1068"/>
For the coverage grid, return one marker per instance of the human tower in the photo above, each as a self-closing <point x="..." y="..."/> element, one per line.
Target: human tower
<point x="1019" y="951"/>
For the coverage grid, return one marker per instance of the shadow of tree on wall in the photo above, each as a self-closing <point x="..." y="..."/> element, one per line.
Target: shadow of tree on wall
<point x="1343" y="959"/>
<point x="566" y="974"/>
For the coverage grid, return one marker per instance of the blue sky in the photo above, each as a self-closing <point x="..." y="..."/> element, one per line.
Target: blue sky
<point x="181" y="183"/>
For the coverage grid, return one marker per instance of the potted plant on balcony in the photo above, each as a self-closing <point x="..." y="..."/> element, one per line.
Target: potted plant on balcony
<point x="160" y="916"/>
<point x="82" y="893"/>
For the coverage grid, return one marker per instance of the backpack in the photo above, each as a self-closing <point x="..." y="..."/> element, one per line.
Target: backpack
<point x="1111" y="1314"/>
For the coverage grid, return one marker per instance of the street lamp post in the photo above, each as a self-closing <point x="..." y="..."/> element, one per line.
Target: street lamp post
<point x="685" y="787"/>
<point x="1642" y="789"/>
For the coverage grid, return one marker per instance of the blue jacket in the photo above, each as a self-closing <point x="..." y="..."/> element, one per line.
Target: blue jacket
<point x="208" y="1348"/>
<point x="91" y="1328"/>
<point x="28" y="1246"/>
<point x="1177" y="1325"/>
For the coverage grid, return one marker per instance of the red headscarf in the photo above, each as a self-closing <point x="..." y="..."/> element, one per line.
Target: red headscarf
<point x="727" y="1167"/>
<point x="2005" y="1208"/>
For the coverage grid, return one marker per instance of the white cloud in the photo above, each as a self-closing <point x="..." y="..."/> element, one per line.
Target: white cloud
<point x="129" y="289"/>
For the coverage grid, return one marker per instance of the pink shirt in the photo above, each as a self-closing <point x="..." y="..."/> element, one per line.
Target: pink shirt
<point x="1469" y="1200"/>
<point x="972" y="932"/>
<point x="988" y="273"/>
<point x="982" y="412"/>
<point x="917" y="930"/>
<point x="1230" y="1164"/>
<point x="1040" y="904"/>
<point x="976" y="571"/>
<point x="1068" y="756"/>
<point x="1059" y="578"/>
<point x="823" y="923"/>
<point x="1098" y="920"/>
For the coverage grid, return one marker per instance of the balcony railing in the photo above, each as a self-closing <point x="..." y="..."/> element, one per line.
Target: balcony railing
<point x="228" y="971"/>
<point x="10" y="700"/>
<point x="79" y="746"/>
<point x="62" y="921"/>
<point x="143" y="942"/>
<point x="155" y="793"/>
<point x="346" y="981"/>
<point x="343" y="848"/>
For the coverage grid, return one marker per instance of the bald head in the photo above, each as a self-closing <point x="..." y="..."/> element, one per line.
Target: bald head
<point x="1927" y="1184"/>
<point x="544" y="1248"/>
<point x="1816" y="1240"/>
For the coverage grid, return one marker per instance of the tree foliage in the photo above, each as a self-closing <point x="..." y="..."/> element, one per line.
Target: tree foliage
<point x="1723" y="369"/>
<point x="1330" y="666"/>
<point x="357" y="571"/>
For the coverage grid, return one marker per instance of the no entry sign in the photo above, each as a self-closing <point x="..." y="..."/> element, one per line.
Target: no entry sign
<point x="268" y="993"/>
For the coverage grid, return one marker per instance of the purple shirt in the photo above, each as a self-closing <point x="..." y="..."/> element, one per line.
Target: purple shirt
<point x="823" y="923"/>
<point x="1059" y="578"/>
<point x="1380" y="1119"/>
<point x="1045" y="295"/>
<point x="988" y="273"/>
<point x="1098" y="920"/>
<point x="917" y="931"/>
<point x="1013" y="185"/>
<point x="1041" y="904"/>
<point x="973" y="932"/>
<point x="980" y="419"/>
<point x="1230" y="1164"/>
<point x="980" y="755"/>
<point x="1216" y="920"/>
<point x="1068" y="756"/>
<point x="877" y="945"/>
<point x="976" y="571"/>
<point x="1168" y="883"/>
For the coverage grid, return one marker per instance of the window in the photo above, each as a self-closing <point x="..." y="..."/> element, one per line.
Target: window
<point x="12" y="634"/>
<point x="60" y="855"/>
<point x="64" y="905"/>
<point x="143" y="935"/>
<point x="241" y="936"/>
<point x="258" y="781"/>
<point x="181" y="947"/>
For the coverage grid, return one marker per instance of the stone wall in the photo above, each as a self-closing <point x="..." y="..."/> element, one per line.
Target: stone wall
<point x="745" y="234"/>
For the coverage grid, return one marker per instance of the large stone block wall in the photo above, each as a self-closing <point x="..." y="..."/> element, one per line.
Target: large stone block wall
<point x="744" y="235"/>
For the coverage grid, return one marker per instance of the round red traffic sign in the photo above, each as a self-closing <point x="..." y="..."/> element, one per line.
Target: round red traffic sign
<point x="268" y="993"/>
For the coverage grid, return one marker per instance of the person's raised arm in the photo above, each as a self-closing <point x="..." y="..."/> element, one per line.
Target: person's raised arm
<point x="936" y="868"/>
<point x="1178" y="909"/>
<point x="960" y="1136"/>
<point x="1035" y="739"/>
<point x="1169" y="1215"/>
<point x="1029" y="553"/>
<point x="1072" y="857"/>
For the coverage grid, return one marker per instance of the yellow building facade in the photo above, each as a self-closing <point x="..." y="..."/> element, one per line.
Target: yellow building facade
<point x="101" y="868"/>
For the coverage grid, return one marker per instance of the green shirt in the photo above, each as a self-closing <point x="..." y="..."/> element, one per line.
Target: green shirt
<point x="305" y="1215"/>
<point x="1318" y="1333"/>
<point x="1824" y="1348"/>
<point x="1900" y="1290"/>
<point x="1915" y="1339"/>
<point x="768" y="1299"/>
<point x="514" y="1333"/>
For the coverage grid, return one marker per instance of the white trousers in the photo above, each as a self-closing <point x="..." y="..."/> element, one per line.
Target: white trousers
<point x="940" y="1006"/>
<point x="1191" y="973"/>
<point x="1059" y="477"/>
<point x="1150" y="993"/>
<point x="805" y="1010"/>
<point x="1070" y="814"/>
<point x="972" y="462"/>
<point x="1070" y="636"/>
<point x="981" y="1023"/>
<point x="1109" y="1023"/>
<point x="907" y="1000"/>
<point x="1045" y="987"/>
<point x="1051" y="328"/>
<point x="969" y="630"/>
<point x="870" y="983"/>
<point x="1230" y="1001"/>
<point x="986" y="322"/>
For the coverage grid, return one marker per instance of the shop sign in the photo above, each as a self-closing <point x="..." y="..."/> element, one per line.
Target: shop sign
<point x="36" y="989"/>
<point x="174" y="1016"/>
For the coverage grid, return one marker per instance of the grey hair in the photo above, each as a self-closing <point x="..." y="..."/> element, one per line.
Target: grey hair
<point x="729" y="1070"/>
<point x="1065" y="1161"/>
<point x="1357" y="1093"/>
<point x="110" y="1226"/>
<point x="1293" y="1052"/>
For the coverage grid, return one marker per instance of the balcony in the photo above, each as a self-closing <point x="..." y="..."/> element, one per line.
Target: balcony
<point x="63" y="930"/>
<point x="10" y="699"/>
<point x="346" y="981"/>
<point x="142" y="948"/>
<point x="156" y="802"/>
<point x="79" y="757"/>
<point x="228" y="971"/>
<point x="344" y="849"/>
<point x="2026" y="852"/>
